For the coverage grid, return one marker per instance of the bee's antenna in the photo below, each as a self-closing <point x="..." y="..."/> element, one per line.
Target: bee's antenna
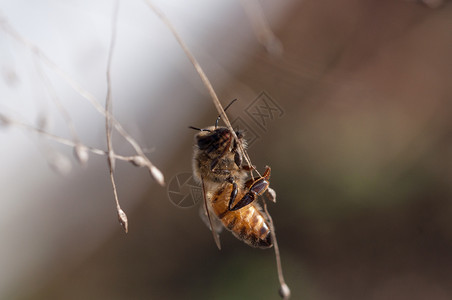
<point x="219" y="117"/>
<point x="200" y="129"/>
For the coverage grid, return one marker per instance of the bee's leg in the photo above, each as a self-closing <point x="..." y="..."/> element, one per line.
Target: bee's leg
<point x="250" y="196"/>
<point x="248" y="168"/>
<point x="257" y="188"/>
<point x="233" y="192"/>
<point x="249" y="183"/>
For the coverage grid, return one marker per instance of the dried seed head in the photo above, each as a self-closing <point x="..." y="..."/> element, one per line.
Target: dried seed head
<point x="139" y="161"/>
<point x="122" y="217"/>
<point x="284" y="291"/>
<point x="81" y="154"/>
<point x="157" y="175"/>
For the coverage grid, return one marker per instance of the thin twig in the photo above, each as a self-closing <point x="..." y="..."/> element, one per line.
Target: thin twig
<point x="284" y="290"/>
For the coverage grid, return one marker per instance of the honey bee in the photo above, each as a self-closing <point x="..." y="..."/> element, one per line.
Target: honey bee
<point x="229" y="200"/>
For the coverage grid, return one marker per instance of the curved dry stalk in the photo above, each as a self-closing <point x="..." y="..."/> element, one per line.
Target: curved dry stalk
<point x="204" y="79"/>
<point x="122" y="217"/>
<point x="284" y="290"/>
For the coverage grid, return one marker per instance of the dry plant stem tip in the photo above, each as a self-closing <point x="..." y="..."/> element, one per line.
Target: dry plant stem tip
<point x="284" y="290"/>
<point x="108" y="129"/>
<point x="204" y="78"/>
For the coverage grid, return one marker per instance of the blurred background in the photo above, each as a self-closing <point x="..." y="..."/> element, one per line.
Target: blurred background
<point x="358" y="137"/>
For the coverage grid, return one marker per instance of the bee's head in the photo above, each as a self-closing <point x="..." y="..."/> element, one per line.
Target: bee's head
<point x="216" y="138"/>
<point x="212" y="138"/>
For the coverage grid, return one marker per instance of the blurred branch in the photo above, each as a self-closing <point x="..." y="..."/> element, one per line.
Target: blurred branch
<point x="262" y="29"/>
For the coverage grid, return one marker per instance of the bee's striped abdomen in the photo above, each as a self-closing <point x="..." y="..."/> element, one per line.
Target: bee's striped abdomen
<point x="247" y="224"/>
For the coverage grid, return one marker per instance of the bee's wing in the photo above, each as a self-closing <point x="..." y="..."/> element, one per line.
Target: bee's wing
<point x="209" y="221"/>
<point x="217" y="225"/>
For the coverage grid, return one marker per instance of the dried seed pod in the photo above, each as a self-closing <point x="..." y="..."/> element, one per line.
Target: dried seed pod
<point x="157" y="175"/>
<point x="271" y="194"/>
<point x="122" y="217"/>
<point x="139" y="161"/>
<point x="284" y="291"/>
<point x="81" y="153"/>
